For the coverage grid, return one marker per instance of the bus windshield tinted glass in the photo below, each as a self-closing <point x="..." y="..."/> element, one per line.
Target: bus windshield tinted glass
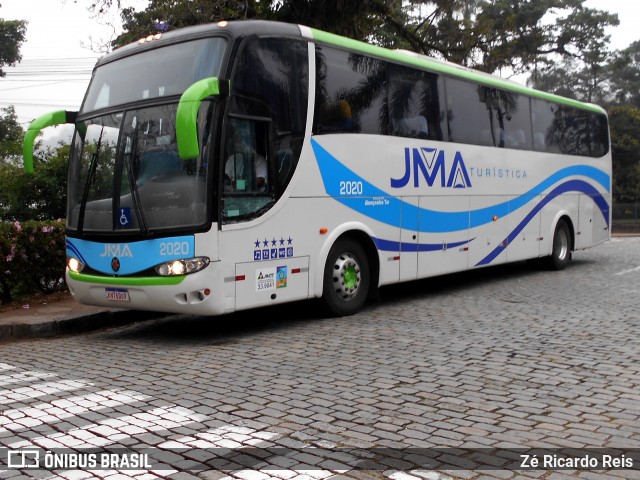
<point x="126" y="176"/>
<point x="155" y="73"/>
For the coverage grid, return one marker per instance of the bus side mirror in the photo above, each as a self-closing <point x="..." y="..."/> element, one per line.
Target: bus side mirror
<point x="187" y="114"/>
<point x="47" y="120"/>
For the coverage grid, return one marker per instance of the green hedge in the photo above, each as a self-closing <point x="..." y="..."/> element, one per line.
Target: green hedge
<point x="32" y="258"/>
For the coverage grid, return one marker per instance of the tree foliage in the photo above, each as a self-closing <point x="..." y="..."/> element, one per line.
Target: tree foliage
<point x="499" y="34"/>
<point x="487" y="34"/>
<point x="611" y="79"/>
<point x="29" y="197"/>
<point x="163" y="15"/>
<point x="12" y="35"/>
<point x="40" y="196"/>
<point x="624" y="76"/>
<point x="562" y="43"/>
<point x="625" y="137"/>
<point x="10" y="134"/>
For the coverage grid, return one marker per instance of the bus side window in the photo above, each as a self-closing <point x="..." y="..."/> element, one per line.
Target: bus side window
<point x="564" y="129"/>
<point x="509" y="118"/>
<point x="350" y="93"/>
<point x="542" y="116"/>
<point x="414" y="102"/>
<point x="568" y="130"/>
<point x="575" y="127"/>
<point x="467" y="114"/>
<point x="599" y="133"/>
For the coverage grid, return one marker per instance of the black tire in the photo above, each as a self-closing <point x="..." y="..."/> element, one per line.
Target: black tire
<point x="346" y="278"/>
<point x="561" y="252"/>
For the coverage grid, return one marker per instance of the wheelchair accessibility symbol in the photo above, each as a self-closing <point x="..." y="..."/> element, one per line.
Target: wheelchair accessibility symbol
<point x="125" y="217"/>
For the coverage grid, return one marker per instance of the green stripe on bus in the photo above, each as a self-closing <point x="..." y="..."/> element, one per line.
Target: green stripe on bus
<point x="127" y="281"/>
<point x="445" y="68"/>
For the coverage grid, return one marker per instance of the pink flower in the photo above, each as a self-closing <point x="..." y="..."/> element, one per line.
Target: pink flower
<point x="17" y="226"/>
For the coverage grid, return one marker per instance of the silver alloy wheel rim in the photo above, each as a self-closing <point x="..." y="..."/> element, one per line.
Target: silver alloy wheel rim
<point x="562" y="244"/>
<point x="346" y="277"/>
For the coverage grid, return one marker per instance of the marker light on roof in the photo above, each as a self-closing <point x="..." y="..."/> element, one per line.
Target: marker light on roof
<point x="150" y="38"/>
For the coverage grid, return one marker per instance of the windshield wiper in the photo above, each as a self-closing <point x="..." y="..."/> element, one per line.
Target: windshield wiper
<point x="135" y="195"/>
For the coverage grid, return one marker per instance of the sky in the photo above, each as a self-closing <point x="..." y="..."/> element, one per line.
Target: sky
<point x="57" y="58"/>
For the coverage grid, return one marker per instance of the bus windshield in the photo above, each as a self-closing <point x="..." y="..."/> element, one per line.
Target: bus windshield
<point x="156" y="73"/>
<point x="125" y="175"/>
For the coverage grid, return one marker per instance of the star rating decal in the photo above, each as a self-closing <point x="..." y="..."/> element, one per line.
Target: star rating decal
<point x="273" y="249"/>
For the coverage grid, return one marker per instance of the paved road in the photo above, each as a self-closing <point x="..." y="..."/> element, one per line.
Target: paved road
<point x="513" y="357"/>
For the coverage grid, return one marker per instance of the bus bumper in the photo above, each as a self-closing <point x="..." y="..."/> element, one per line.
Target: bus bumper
<point x="197" y="294"/>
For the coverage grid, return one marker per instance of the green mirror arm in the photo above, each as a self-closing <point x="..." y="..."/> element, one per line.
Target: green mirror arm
<point x="187" y="114"/>
<point x="47" y="120"/>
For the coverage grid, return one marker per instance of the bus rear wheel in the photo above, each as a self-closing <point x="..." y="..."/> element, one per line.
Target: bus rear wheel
<point x="346" y="278"/>
<point x="561" y="253"/>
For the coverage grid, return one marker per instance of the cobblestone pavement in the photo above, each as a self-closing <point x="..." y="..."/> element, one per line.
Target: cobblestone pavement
<point x="507" y="357"/>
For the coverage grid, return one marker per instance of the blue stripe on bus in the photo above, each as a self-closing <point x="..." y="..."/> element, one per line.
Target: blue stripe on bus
<point x="134" y="256"/>
<point x="393" y="246"/>
<point x="570" y="186"/>
<point x="74" y="252"/>
<point x="399" y="213"/>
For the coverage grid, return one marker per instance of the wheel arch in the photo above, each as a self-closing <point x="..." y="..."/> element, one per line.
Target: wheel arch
<point x="566" y="217"/>
<point x="363" y="236"/>
<point x="572" y="231"/>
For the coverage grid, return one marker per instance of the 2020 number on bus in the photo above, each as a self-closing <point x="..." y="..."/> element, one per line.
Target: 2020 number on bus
<point x="351" y="188"/>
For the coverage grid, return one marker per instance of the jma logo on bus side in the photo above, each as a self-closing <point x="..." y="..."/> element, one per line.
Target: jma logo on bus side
<point x="431" y="164"/>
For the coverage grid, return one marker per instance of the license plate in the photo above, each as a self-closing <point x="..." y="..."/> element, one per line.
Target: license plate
<point x="117" y="294"/>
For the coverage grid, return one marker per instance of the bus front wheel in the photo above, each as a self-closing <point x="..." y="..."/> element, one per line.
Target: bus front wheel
<point x="346" y="278"/>
<point x="561" y="253"/>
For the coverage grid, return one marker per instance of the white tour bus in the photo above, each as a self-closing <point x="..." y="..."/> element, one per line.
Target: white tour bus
<point x="236" y="165"/>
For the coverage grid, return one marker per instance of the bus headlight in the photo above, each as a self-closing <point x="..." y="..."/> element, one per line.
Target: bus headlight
<point x="75" y="265"/>
<point x="182" y="267"/>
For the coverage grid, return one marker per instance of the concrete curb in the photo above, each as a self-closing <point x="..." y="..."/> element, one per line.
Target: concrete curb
<point x="72" y="324"/>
